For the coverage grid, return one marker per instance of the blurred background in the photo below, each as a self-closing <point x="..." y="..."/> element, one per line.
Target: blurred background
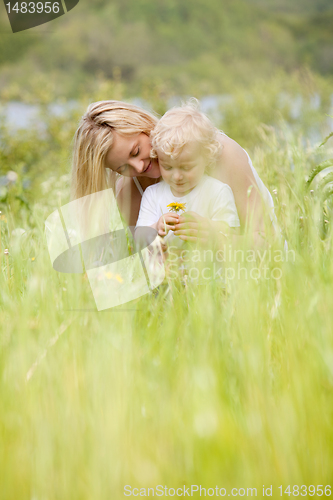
<point x="198" y="386"/>
<point x="198" y="47"/>
<point x="250" y="62"/>
<point x="274" y="57"/>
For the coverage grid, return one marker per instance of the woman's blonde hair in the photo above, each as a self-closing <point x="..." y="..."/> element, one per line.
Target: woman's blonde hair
<point x="94" y="139"/>
<point x="184" y="124"/>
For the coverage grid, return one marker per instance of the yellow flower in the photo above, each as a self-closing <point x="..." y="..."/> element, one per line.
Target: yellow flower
<point x="111" y="276"/>
<point x="176" y="207"/>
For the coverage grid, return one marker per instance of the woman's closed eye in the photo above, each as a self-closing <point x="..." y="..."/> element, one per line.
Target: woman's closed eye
<point x="136" y="153"/>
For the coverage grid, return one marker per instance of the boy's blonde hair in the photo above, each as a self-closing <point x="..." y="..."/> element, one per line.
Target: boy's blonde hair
<point x="184" y="124"/>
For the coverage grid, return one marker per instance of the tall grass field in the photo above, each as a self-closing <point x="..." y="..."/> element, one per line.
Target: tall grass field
<point x="227" y="389"/>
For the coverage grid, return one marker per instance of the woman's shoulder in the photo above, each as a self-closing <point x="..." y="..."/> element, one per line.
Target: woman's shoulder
<point x="233" y="167"/>
<point x="232" y="152"/>
<point x="123" y="184"/>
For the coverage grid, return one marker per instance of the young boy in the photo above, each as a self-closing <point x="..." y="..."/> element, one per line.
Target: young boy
<point x="187" y="144"/>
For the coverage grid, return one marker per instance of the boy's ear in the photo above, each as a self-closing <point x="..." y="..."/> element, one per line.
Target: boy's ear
<point x="153" y="153"/>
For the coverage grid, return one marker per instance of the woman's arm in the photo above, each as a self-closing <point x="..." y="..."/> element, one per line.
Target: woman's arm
<point x="128" y="200"/>
<point x="234" y="169"/>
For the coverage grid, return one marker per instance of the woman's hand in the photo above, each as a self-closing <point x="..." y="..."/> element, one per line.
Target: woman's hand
<point x="193" y="227"/>
<point x="166" y="223"/>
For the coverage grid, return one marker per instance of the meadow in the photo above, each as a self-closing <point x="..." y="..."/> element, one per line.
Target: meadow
<point x="192" y="386"/>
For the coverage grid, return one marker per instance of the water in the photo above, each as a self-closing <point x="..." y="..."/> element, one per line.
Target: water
<point x="19" y="116"/>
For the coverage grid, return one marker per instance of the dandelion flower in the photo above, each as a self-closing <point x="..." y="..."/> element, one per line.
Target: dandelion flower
<point x="176" y="207"/>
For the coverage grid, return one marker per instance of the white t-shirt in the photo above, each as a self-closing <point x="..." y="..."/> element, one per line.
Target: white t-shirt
<point x="210" y="198"/>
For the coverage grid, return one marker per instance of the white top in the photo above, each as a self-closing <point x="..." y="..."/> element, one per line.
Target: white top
<point x="267" y="199"/>
<point x="210" y="198"/>
<point x="265" y="194"/>
<point x="138" y="185"/>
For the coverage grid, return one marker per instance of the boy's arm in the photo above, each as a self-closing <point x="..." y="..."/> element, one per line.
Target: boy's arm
<point x="223" y="220"/>
<point x="150" y="214"/>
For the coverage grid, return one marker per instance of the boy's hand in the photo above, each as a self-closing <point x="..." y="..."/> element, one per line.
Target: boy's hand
<point x="193" y="227"/>
<point x="166" y="223"/>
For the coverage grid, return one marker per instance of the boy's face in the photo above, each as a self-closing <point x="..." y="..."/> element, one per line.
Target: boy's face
<point x="185" y="172"/>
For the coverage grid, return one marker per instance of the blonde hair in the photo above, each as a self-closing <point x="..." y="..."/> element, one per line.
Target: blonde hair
<point x="184" y="124"/>
<point x="94" y="139"/>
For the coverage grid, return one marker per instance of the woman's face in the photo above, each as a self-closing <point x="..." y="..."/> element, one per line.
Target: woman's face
<point x="130" y="156"/>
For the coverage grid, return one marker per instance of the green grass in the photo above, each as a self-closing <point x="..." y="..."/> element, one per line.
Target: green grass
<point x="197" y="386"/>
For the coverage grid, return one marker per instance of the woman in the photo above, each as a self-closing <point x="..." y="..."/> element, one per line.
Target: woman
<point x="113" y="138"/>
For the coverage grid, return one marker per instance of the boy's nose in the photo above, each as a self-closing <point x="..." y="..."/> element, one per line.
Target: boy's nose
<point x="177" y="176"/>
